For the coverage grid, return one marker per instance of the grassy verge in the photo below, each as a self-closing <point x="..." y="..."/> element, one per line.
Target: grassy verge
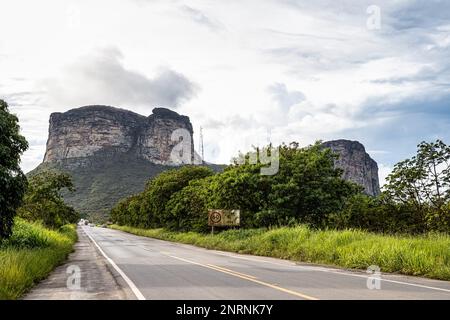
<point x="427" y="255"/>
<point x="30" y="255"/>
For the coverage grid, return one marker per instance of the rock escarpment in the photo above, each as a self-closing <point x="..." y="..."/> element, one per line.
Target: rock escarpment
<point x="357" y="165"/>
<point x="111" y="153"/>
<point x="90" y="131"/>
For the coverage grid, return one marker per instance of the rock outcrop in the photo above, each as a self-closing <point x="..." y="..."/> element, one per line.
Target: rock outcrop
<point x="101" y="130"/>
<point x="111" y="153"/>
<point x="357" y="165"/>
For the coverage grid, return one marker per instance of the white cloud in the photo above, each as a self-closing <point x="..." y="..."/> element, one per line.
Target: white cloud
<point x="200" y="18"/>
<point x="383" y="172"/>
<point x="285" y="98"/>
<point x="328" y="75"/>
<point x="102" y="78"/>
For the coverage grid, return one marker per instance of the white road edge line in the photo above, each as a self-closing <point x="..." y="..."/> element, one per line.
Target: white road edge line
<point x="321" y="269"/>
<point x="296" y="266"/>
<point x="130" y="283"/>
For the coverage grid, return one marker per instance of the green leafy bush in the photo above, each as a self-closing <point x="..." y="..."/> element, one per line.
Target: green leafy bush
<point x="43" y="200"/>
<point x="148" y="209"/>
<point x="307" y="188"/>
<point x="13" y="182"/>
<point x="30" y="254"/>
<point x="188" y="208"/>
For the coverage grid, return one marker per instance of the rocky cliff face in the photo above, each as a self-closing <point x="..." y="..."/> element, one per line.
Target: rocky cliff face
<point x="358" y="166"/>
<point x="89" y="131"/>
<point x="111" y="153"/>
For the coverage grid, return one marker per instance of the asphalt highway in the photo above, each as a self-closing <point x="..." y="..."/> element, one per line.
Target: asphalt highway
<point x="155" y="269"/>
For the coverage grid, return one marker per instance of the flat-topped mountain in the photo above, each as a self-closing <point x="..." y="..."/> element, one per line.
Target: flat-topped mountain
<point x="111" y="153"/>
<point x="356" y="163"/>
<point x="92" y="130"/>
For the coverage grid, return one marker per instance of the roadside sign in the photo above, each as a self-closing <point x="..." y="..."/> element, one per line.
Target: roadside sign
<point x="223" y="218"/>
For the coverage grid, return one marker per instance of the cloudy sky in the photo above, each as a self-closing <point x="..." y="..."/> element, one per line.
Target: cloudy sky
<point x="245" y="70"/>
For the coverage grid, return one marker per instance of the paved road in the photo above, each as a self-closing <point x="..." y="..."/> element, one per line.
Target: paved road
<point x="97" y="278"/>
<point x="156" y="269"/>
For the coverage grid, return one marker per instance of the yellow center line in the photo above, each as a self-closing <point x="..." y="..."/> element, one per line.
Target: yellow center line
<point x="232" y="271"/>
<point x="243" y="276"/>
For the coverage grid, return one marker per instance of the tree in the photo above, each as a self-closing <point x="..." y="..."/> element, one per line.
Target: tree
<point x="188" y="208"/>
<point x="159" y="190"/>
<point x="119" y="214"/>
<point x="43" y="200"/>
<point x="378" y="214"/>
<point x="307" y="187"/>
<point x="12" y="180"/>
<point x="423" y="182"/>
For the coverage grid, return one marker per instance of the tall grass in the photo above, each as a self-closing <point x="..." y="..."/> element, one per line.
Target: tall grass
<point x="30" y="255"/>
<point x="427" y="255"/>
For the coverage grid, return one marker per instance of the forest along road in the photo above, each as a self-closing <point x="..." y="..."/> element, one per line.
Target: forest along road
<point x="156" y="269"/>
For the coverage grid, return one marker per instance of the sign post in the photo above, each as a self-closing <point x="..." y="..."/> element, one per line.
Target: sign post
<point x="223" y="218"/>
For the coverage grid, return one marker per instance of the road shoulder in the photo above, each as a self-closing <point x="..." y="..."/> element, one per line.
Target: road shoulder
<point x="97" y="279"/>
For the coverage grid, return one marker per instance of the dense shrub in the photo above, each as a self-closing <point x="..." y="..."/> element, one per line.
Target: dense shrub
<point x="148" y="209"/>
<point x="12" y="180"/>
<point x="188" y="208"/>
<point x="421" y="184"/>
<point x="378" y="214"/>
<point x="128" y="212"/>
<point x="240" y="187"/>
<point x="160" y="189"/>
<point x="43" y="200"/>
<point x="30" y="254"/>
<point x="306" y="188"/>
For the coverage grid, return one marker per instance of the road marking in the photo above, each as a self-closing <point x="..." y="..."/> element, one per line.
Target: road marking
<point x="245" y="277"/>
<point x="228" y="270"/>
<point x="130" y="283"/>
<point x="290" y="264"/>
<point x="321" y="269"/>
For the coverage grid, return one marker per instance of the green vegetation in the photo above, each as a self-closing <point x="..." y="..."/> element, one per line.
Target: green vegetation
<point x="416" y="198"/>
<point x="28" y="250"/>
<point x="13" y="181"/>
<point x="43" y="200"/>
<point x="159" y="191"/>
<point x="30" y="254"/>
<point x="104" y="181"/>
<point x="306" y="212"/>
<point x="306" y="189"/>
<point x="423" y="184"/>
<point x="425" y="255"/>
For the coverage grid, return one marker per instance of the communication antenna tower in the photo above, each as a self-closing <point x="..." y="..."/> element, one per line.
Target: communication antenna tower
<point x="201" y="149"/>
<point x="269" y="135"/>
